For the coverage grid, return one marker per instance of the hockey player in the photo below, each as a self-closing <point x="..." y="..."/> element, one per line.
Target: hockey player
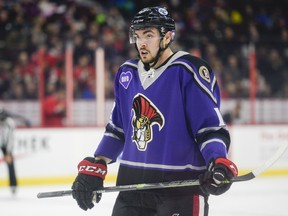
<point x="165" y="126"/>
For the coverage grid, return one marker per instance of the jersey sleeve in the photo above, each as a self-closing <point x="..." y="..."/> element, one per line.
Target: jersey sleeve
<point x="112" y="142"/>
<point x="203" y="111"/>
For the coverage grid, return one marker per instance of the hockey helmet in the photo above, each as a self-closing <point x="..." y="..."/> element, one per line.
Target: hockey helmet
<point x="157" y="17"/>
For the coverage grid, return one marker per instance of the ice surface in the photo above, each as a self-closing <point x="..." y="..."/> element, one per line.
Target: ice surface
<point x="259" y="197"/>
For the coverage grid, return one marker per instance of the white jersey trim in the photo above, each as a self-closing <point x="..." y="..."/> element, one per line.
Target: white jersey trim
<point x="111" y="135"/>
<point x="162" y="166"/>
<point x="203" y="145"/>
<point x="211" y="129"/>
<point x="198" y="81"/>
<point x="115" y="127"/>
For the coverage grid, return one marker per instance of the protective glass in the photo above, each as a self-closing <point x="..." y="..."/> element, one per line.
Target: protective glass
<point x="147" y="38"/>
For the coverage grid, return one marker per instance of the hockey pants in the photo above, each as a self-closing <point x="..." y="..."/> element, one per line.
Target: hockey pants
<point x="151" y="204"/>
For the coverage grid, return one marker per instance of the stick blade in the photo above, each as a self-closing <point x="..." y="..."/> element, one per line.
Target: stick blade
<point x="245" y="177"/>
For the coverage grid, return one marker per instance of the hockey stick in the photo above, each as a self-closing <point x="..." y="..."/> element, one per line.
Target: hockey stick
<point x="173" y="184"/>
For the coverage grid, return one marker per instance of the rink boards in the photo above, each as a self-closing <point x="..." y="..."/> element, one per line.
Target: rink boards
<point x="50" y="156"/>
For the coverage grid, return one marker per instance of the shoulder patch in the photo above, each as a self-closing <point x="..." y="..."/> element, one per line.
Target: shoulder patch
<point x="125" y="79"/>
<point x="204" y="73"/>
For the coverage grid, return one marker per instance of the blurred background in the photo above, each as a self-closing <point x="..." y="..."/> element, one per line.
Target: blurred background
<point x="58" y="60"/>
<point x="48" y="55"/>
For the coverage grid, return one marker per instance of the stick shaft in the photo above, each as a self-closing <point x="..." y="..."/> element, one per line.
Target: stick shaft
<point x="120" y="188"/>
<point x="251" y="175"/>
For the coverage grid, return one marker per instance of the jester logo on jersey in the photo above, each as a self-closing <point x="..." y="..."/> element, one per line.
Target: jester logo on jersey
<point x="145" y="116"/>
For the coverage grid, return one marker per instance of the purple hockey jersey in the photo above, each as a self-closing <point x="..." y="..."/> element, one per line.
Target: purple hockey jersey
<point x="165" y="124"/>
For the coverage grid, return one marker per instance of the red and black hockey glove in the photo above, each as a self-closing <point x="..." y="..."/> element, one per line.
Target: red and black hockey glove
<point x="91" y="173"/>
<point x="222" y="169"/>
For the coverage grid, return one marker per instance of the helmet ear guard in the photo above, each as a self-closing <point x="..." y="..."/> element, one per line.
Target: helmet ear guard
<point x="132" y="35"/>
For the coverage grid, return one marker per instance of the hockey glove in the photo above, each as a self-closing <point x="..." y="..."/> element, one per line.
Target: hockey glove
<point x="222" y="169"/>
<point x="91" y="174"/>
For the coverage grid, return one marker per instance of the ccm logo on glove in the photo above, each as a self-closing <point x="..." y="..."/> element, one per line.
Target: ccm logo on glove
<point x="88" y="168"/>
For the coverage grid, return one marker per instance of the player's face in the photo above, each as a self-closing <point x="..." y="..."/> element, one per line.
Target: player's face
<point x="147" y="42"/>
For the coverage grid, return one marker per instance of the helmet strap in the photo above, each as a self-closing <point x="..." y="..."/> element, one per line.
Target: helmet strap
<point x="160" y="50"/>
<point x="147" y="66"/>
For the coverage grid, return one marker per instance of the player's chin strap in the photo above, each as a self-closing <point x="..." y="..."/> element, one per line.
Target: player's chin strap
<point x="147" y="66"/>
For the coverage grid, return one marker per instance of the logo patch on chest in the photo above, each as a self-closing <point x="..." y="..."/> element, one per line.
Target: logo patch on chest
<point x="125" y="79"/>
<point x="146" y="114"/>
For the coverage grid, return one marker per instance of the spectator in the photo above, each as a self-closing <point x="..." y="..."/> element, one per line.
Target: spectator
<point x="226" y="25"/>
<point x="55" y="109"/>
<point x="234" y="115"/>
<point x="84" y="74"/>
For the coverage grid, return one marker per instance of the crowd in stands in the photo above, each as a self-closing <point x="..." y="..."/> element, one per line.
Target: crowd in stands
<point x="219" y="31"/>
